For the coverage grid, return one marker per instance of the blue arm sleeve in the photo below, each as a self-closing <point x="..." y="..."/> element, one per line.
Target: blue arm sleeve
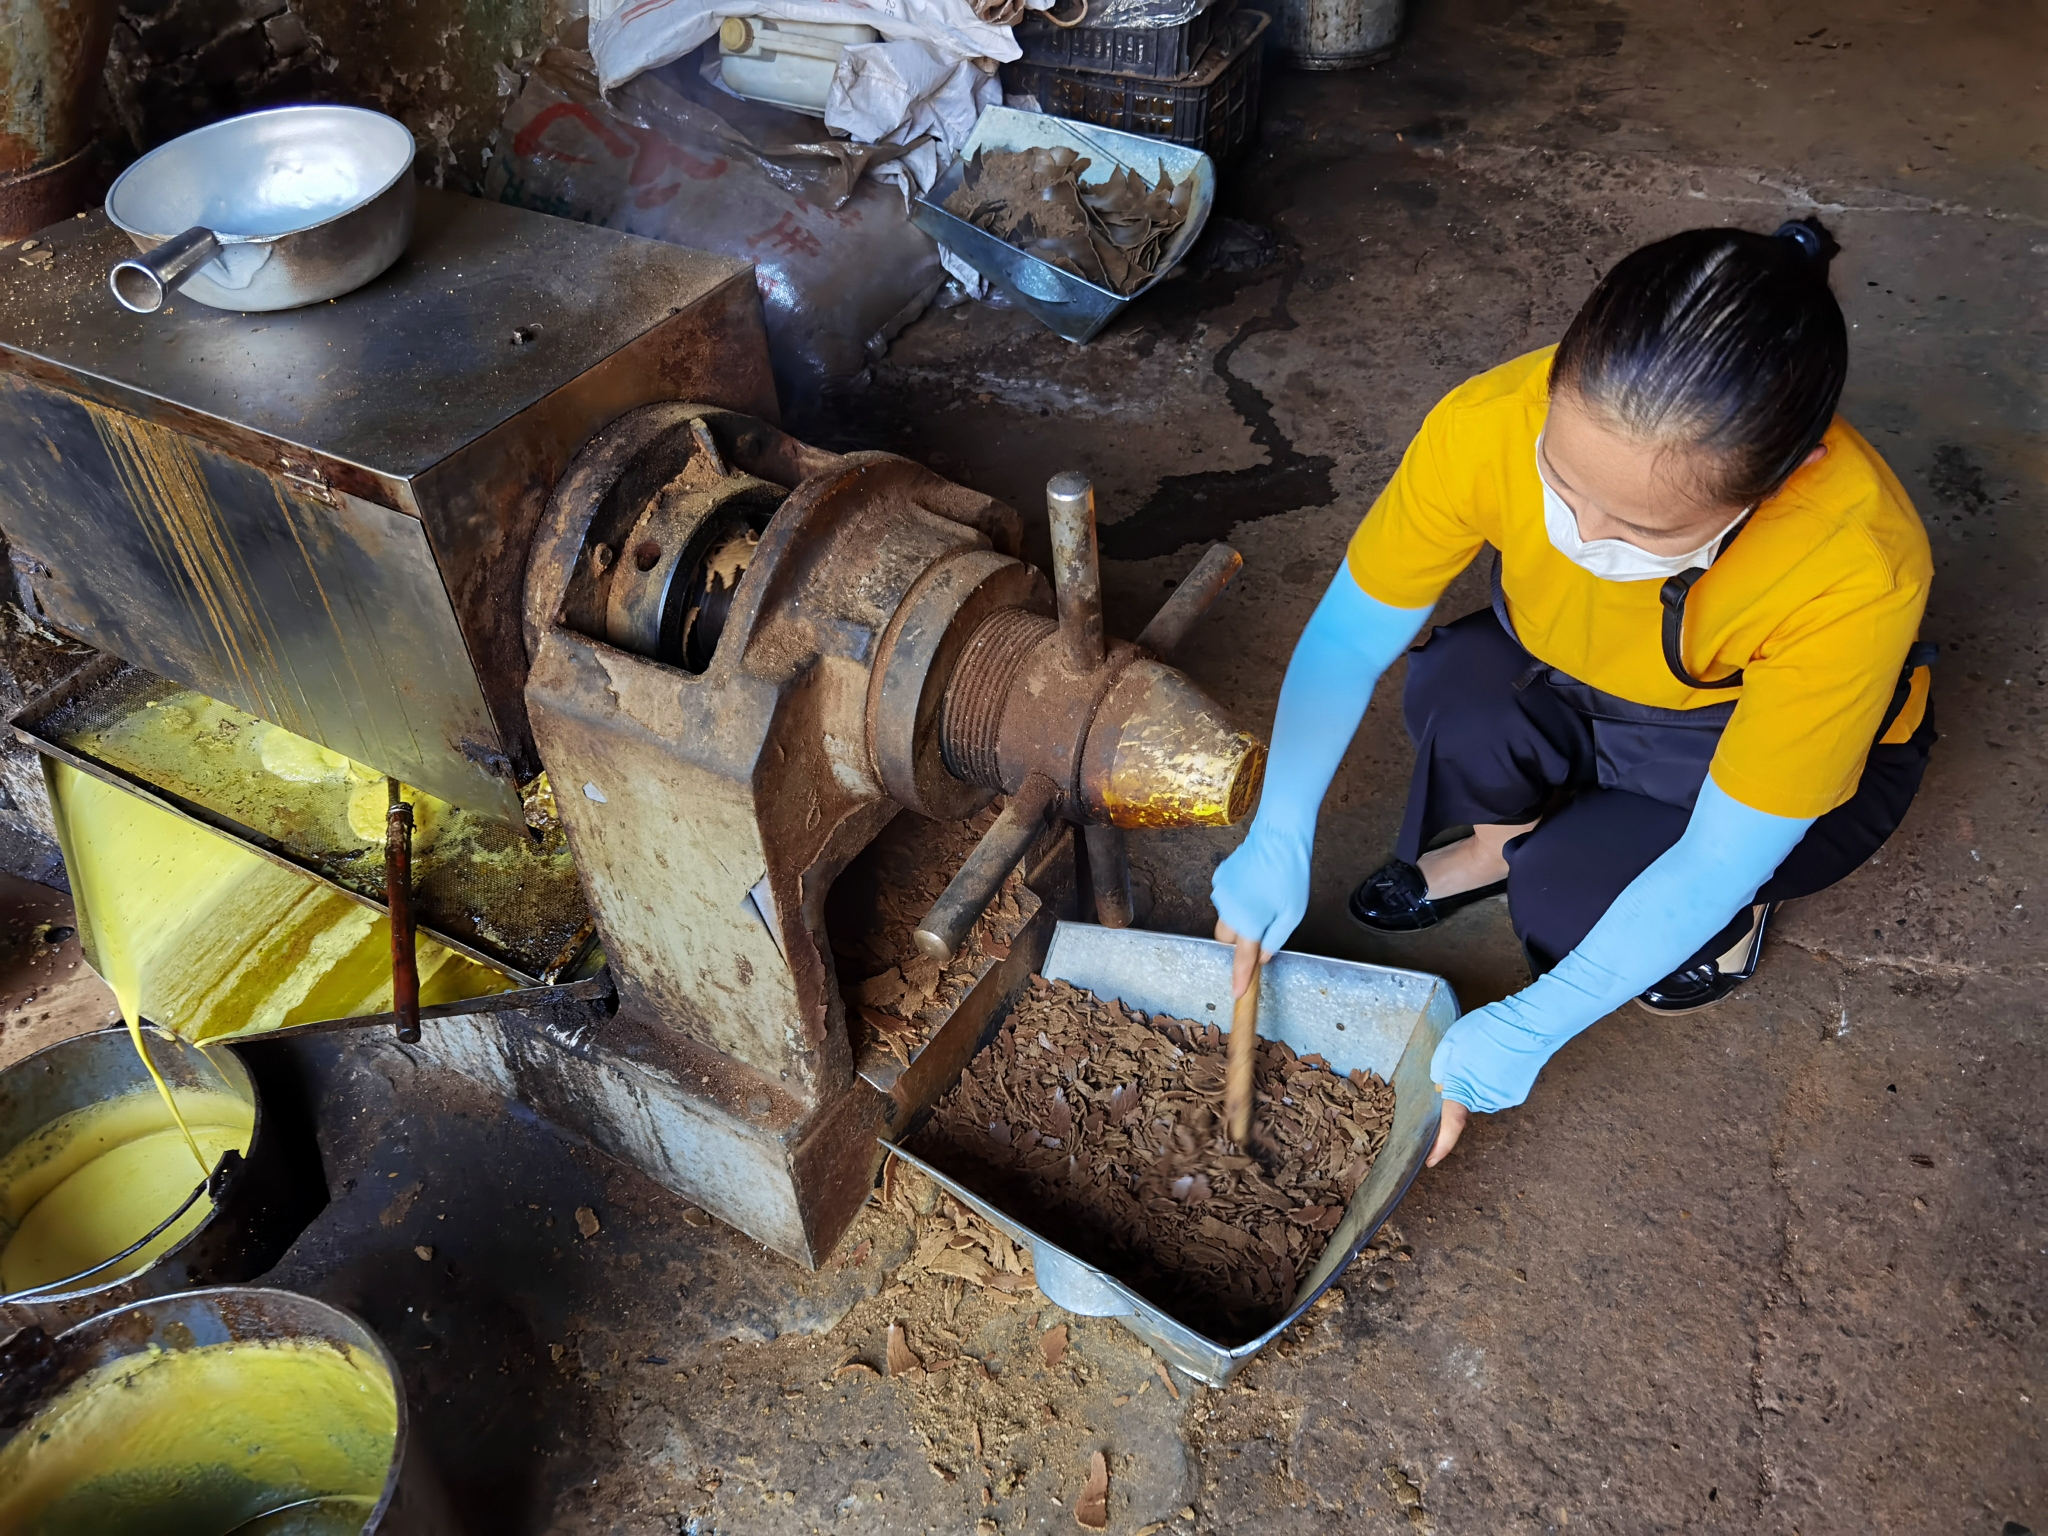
<point x="1262" y="889"/>
<point x="1489" y="1059"/>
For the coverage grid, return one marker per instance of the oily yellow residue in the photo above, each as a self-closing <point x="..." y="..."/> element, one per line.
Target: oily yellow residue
<point x="209" y="940"/>
<point x="1158" y="780"/>
<point x="89" y="1183"/>
<point x="165" y="481"/>
<point x="201" y="1441"/>
<point x="476" y="879"/>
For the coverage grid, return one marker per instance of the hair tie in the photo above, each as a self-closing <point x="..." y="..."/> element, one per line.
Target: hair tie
<point x="1803" y="235"/>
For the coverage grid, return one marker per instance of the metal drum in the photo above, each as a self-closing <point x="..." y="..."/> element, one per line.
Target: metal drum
<point x="1336" y="34"/>
<point x="75" y="1100"/>
<point x="213" y="1412"/>
<point x="271" y="210"/>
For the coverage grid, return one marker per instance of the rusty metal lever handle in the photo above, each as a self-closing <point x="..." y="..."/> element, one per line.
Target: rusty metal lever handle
<point x="1109" y="874"/>
<point x="944" y="928"/>
<point x="1076" y="572"/>
<point x="1197" y="593"/>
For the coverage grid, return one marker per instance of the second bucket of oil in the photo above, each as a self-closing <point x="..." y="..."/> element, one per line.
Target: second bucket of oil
<point x="102" y="1198"/>
<point x="226" y="1412"/>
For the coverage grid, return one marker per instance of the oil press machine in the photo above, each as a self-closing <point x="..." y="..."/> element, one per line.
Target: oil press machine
<point x="515" y="525"/>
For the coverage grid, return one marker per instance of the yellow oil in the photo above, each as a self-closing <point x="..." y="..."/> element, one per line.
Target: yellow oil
<point x="204" y="1441"/>
<point x="504" y="888"/>
<point x="205" y="938"/>
<point x="90" y="1183"/>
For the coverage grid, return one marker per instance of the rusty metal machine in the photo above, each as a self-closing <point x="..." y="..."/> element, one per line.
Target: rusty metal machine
<point x="516" y="525"/>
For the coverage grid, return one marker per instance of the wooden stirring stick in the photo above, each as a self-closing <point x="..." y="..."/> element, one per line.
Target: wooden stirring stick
<point x="1244" y="1048"/>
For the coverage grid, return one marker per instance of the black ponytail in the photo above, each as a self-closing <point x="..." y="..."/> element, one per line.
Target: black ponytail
<point x="1717" y="340"/>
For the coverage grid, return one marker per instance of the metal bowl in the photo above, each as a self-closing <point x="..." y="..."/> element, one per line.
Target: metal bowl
<point x="267" y="211"/>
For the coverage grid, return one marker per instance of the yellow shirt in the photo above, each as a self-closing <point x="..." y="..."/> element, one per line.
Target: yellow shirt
<point x="1817" y="601"/>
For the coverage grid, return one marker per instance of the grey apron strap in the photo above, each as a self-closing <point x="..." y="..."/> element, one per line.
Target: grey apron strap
<point x="1673" y="595"/>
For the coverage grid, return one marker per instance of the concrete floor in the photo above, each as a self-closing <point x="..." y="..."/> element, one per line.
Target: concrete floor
<point x="1775" y="1269"/>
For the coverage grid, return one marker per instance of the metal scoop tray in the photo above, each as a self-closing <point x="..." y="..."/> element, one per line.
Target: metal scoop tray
<point x="1072" y="306"/>
<point x="1371" y="1016"/>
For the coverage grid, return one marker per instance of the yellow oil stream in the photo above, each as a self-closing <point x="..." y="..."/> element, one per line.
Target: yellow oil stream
<point x="203" y="1441"/>
<point x="210" y="941"/>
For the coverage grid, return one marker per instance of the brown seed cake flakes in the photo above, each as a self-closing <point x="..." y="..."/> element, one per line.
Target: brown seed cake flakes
<point x="1104" y="1126"/>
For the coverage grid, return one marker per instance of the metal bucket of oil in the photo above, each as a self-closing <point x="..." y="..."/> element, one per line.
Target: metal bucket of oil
<point x="228" y="1412"/>
<point x="101" y="1198"/>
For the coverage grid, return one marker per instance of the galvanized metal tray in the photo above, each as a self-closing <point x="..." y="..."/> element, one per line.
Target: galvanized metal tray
<point x="1366" y="1016"/>
<point x="1074" y="307"/>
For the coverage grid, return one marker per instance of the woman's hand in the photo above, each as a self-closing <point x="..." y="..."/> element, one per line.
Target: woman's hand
<point x="1248" y="954"/>
<point x="1448" y="1130"/>
<point x="1261" y="890"/>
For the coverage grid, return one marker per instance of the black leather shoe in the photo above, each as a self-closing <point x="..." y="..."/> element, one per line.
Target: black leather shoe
<point x="1703" y="985"/>
<point x="1395" y="899"/>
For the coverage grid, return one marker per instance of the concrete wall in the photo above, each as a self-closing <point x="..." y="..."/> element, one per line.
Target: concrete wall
<point x="444" y="68"/>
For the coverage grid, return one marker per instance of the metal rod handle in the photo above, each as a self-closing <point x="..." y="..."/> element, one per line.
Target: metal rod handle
<point x="1197" y="593"/>
<point x="405" y="962"/>
<point x="944" y="928"/>
<point x="1109" y="872"/>
<point x="1076" y="571"/>
<point x="142" y="283"/>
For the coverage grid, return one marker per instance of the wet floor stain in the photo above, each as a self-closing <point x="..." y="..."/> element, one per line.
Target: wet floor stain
<point x="1196" y="508"/>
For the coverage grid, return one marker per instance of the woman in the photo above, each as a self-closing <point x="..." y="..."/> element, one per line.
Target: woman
<point x="1698" y="690"/>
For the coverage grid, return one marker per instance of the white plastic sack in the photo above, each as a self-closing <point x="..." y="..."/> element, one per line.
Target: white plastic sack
<point x="893" y="93"/>
<point x="629" y="36"/>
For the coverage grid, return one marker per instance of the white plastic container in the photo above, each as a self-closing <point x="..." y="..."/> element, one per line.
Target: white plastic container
<point x="785" y="63"/>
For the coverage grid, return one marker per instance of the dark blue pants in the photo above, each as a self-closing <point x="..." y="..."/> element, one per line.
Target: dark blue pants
<point x="1500" y="738"/>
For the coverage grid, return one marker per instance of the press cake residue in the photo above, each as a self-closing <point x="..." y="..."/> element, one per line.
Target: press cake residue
<point x="1101" y="1128"/>
<point x="896" y="996"/>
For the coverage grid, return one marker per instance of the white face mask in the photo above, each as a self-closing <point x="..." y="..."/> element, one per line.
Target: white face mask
<point x="1615" y="559"/>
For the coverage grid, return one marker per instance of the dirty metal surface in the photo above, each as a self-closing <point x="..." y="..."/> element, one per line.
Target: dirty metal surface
<point x="500" y="893"/>
<point x="454" y="389"/>
<point x="1160" y="755"/>
<point x="753" y="776"/>
<point x="869" y="929"/>
<point x="35" y="199"/>
<point x="789" y="1175"/>
<point x="321" y="612"/>
<point x="394" y="378"/>
<point x="626" y="464"/>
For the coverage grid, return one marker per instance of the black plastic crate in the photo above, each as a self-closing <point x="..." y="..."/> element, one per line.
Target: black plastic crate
<point x="1215" y="109"/>
<point x="1151" y="53"/>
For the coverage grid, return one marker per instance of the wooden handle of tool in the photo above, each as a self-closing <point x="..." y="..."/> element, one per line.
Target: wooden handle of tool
<point x="1244" y="1049"/>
